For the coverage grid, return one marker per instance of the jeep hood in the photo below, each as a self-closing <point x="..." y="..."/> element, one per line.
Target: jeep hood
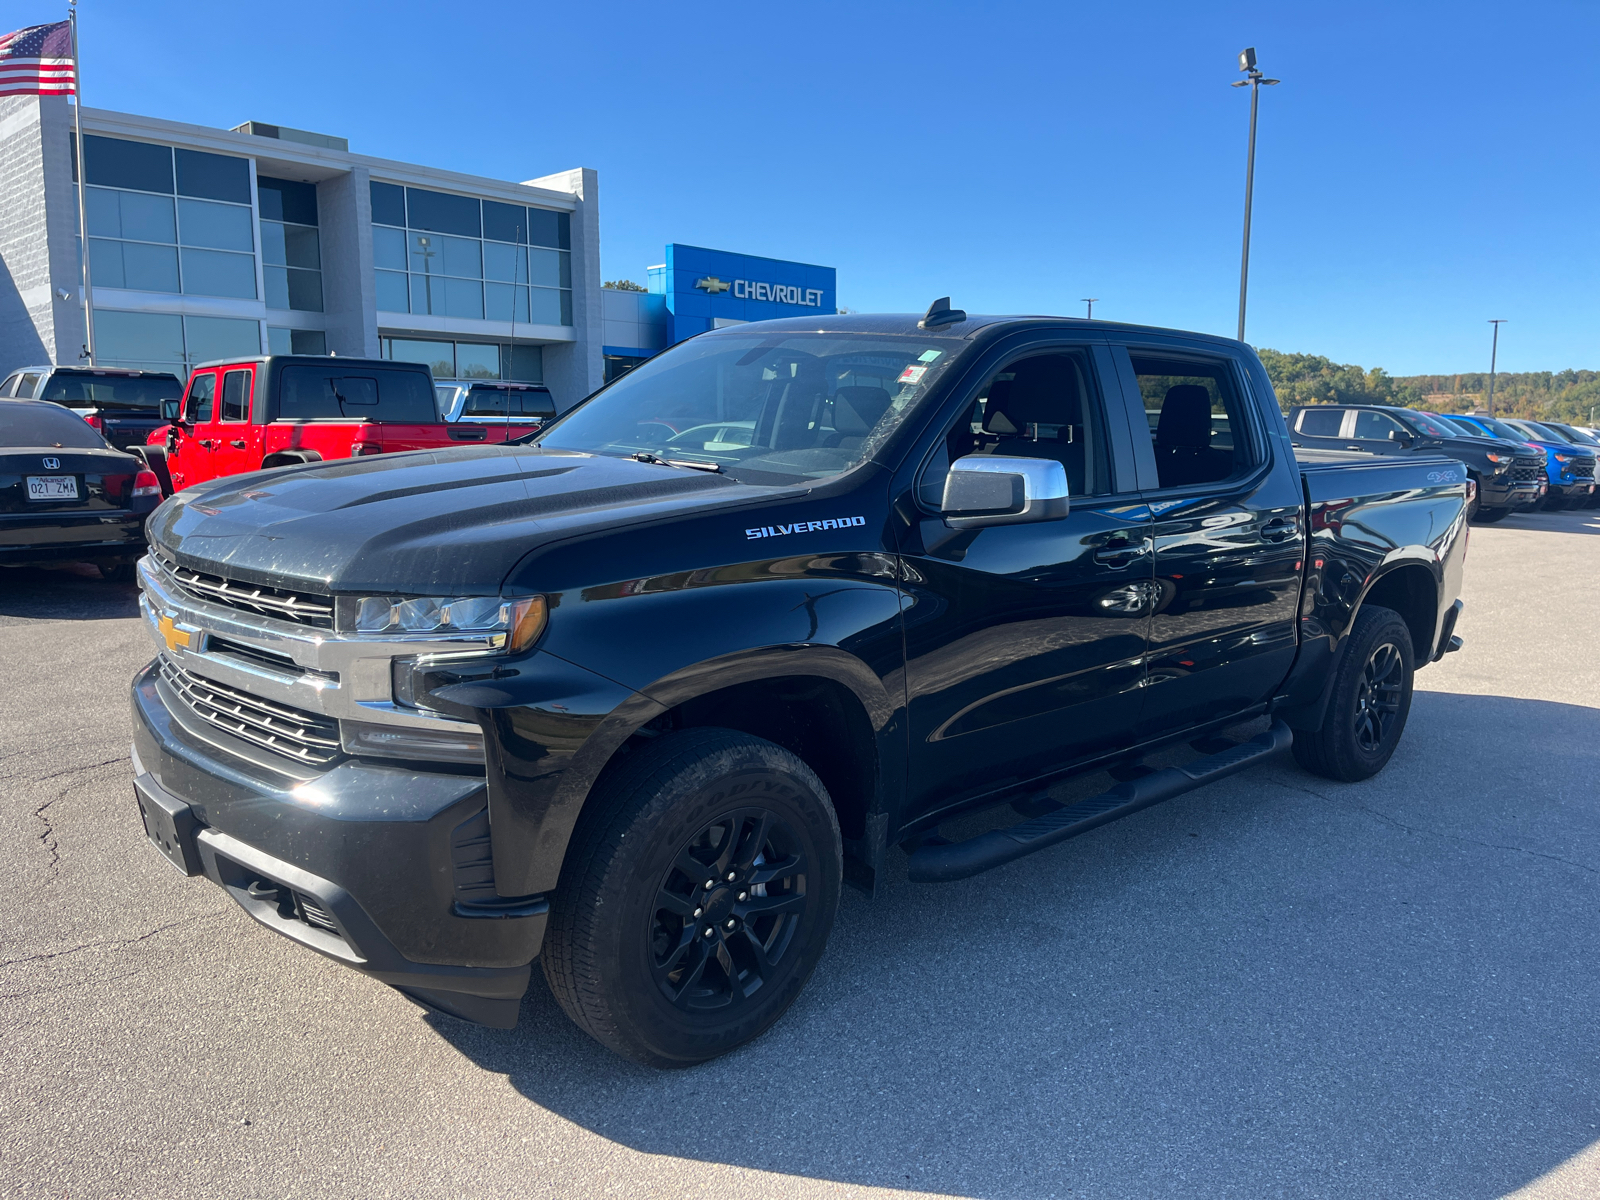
<point x="430" y="522"/>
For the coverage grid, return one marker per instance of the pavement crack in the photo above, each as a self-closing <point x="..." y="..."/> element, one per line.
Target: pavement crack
<point x="112" y="943"/>
<point x="48" y="837"/>
<point x="1454" y="837"/>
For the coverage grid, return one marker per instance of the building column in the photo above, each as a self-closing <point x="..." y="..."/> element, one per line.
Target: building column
<point x="38" y="235"/>
<point x="349" y="289"/>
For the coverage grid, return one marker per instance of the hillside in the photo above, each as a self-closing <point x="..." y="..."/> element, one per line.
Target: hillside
<point x="1570" y="395"/>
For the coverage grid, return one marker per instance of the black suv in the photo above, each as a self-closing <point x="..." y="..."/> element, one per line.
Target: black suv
<point x="1508" y="474"/>
<point x="124" y="406"/>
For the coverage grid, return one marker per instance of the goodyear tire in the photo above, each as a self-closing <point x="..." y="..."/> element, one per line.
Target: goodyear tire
<point x="1369" y="704"/>
<point x="696" y="899"/>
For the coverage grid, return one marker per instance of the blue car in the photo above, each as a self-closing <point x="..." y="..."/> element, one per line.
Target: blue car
<point x="1569" y="469"/>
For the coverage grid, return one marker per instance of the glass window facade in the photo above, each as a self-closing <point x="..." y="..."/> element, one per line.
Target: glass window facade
<point x="296" y="341"/>
<point x="469" y="360"/>
<point x="291" y="247"/>
<point x="165" y="220"/>
<point x="168" y="342"/>
<point x="454" y="256"/>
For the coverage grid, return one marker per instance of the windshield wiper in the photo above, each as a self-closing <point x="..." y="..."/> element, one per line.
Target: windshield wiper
<point x="645" y="456"/>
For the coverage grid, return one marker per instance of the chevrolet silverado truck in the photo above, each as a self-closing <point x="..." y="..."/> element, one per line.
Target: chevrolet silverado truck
<point x="249" y="414"/>
<point x="633" y="704"/>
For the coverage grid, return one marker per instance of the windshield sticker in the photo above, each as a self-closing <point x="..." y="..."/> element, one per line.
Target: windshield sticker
<point x="767" y="531"/>
<point x="928" y="356"/>
<point x="912" y="375"/>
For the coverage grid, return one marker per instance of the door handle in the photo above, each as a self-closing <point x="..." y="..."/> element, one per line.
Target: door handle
<point x="1122" y="550"/>
<point x="237" y="443"/>
<point x="208" y="443"/>
<point x="1280" y="529"/>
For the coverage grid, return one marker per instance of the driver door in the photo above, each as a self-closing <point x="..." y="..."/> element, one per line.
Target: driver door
<point x="194" y="438"/>
<point x="1025" y="643"/>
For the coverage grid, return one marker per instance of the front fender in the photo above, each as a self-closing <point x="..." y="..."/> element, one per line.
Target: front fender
<point x="616" y="657"/>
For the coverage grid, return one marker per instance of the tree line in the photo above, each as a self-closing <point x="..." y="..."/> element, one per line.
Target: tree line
<point x="1554" y="395"/>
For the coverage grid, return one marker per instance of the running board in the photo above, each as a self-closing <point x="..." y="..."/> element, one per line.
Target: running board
<point x="945" y="862"/>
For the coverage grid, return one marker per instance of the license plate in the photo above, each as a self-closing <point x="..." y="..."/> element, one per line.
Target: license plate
<point x="171" y="827"/>
<point x="52" y="487"/>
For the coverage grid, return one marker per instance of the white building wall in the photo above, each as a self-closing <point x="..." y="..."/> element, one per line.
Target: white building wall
<point x="38" y="228"/>
<point x="575" y="369"/>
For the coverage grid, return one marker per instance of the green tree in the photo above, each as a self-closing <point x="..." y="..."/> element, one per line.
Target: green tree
<point x="624" y="285"/>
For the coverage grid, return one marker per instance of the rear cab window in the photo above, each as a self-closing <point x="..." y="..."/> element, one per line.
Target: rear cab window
<point x="364" y="393"/>
<point x="88" y="389"/>
<point x="1199" y="426"/>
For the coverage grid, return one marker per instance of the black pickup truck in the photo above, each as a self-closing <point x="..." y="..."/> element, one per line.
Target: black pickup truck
<point x="634" y="697"/>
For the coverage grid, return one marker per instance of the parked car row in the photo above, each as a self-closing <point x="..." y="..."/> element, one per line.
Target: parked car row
<point x="1518" y="465"/>
<point x="63" y="498"/>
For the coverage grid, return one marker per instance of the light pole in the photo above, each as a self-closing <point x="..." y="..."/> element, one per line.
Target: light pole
<point x="1091" y="303"/>
<point x="1494" y="352"/>
<point x="1253" y="80"/>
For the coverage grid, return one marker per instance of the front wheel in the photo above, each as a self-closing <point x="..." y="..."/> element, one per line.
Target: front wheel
<point x="1370" y="701"/>
<point x="696" y="898"/>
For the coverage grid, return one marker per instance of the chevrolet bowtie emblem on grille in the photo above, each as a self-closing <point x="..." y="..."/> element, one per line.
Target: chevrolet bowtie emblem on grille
<point x="172" y="633"/>
<point x="712" y="284"/>
<point x="52" y="464"/>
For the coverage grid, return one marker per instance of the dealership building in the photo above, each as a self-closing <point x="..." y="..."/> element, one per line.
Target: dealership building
<point x="208" y="243"/>
<point x="211" y="243"/>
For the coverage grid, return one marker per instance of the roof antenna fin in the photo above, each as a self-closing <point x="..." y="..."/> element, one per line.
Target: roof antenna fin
<point x="940" y="314"/>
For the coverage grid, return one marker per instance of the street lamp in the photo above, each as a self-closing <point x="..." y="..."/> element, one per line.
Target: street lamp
<point x="1091" y="303"/>
<point x="1253" y="80"/>
<point x="1494" y="351"/>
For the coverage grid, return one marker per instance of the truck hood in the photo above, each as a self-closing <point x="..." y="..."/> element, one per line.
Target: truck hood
<point x="430" y="522"/>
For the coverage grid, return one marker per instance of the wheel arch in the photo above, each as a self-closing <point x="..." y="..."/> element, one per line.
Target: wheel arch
<point x="1412" y="590"/>
<point x="289" y="458"/>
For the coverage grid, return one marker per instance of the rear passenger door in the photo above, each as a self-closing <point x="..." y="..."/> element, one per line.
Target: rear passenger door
<point x="1376" y="433"/>
<point x="1226" y="511"/>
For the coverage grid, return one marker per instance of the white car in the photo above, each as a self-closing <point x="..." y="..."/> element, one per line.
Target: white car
<point x="495" y="402"/>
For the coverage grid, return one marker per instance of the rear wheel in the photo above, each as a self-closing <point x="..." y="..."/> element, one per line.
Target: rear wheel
<point x="1488" y="516"/>
<point x="117" y="572"/>
<point x="1369" y="704"/>
<point x="696" y="899"/>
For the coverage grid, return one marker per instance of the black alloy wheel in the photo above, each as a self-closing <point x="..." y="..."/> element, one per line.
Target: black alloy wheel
<point x="1368" y="702"/>
<point x="1378" y="697"/>
<point x="728" y="910"/>
<point x="696" y="898"/>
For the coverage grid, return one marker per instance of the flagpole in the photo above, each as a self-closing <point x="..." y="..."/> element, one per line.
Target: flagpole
<point x="83" y="170"/>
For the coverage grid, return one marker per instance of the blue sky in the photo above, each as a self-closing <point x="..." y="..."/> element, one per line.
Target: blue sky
<point x="1423" y="167"/>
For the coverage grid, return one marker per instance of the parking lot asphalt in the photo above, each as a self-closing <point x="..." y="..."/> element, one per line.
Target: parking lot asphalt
<point x="1276" y="986"/>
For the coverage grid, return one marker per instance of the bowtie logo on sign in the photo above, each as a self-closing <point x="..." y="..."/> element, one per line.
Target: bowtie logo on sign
<point x="776" y="293"/>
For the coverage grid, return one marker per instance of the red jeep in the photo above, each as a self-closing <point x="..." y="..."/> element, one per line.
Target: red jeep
<point x="245" y="414"/>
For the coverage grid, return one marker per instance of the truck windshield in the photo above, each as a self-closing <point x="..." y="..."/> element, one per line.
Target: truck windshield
<point x="772" y="409"/>
<point x="85" y="389"/>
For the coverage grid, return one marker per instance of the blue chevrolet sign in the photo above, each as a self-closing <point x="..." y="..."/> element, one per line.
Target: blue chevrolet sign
<point x="708" y="288"/>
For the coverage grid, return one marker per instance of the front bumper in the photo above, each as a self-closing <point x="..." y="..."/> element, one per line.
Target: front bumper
<point x="384" y="868"/>
<point x="1578" y="490"/>
<point x="1503" y="493"/>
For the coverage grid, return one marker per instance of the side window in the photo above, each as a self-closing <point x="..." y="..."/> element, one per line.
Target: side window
<point x="538" y="404"/>
<point x="1197" y="419"/>
<point x="1375" y="426"/>
<point x="485" y="402"/>
<point x="25" y="389"/>
<point x="1320" y="422"/>
<point x="202" y="391"/>
<point x="236" y="396"/>
<point x="8" y="388"/>
<point x="1041" y="406"/>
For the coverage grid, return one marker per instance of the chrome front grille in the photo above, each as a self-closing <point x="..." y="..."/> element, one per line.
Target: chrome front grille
<point x="302" y="609"/>
<point x="292" y="732"/>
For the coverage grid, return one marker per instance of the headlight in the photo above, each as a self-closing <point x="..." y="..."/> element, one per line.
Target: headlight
<point x="1498" y="458"/>
<point x="513" y="624"/>
<point x="1562" y="458"/>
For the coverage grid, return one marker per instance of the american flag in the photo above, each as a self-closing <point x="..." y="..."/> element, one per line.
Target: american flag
<point x="37" y="61"/>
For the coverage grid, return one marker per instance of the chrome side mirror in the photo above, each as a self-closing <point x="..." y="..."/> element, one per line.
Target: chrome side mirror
<point x="997" y="489"/>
